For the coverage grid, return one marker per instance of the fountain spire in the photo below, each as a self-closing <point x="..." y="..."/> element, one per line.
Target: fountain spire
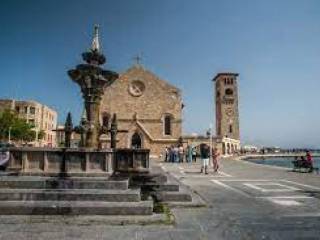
<point x="95" y="45"/>
<point x="92" y="79"/>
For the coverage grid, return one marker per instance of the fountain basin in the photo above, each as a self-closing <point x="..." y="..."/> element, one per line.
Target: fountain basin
<point x="76" y="162"/>
<point x="51" y="161"/>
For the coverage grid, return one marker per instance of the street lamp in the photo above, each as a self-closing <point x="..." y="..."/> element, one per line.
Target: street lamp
<point x="211" y="143"/>
<point x="9" y="135"/>
<point x="37" y="140"/>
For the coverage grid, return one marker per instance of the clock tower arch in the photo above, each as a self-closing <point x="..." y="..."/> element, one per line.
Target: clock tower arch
<point x="226" y="100"/>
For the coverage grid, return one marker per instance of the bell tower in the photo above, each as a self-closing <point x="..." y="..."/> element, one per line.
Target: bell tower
<point x="227" y="113"/>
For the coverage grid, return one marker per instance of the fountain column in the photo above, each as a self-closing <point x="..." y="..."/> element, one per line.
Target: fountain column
<point x="92" y="80"/>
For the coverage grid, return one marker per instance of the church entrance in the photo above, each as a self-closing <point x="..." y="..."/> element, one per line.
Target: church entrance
<point x="136" y="141"/>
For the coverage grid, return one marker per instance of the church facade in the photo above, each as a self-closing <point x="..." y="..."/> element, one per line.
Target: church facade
<point x="149" y="108"/>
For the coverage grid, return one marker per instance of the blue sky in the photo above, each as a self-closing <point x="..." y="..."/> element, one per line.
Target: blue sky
<point x="274" y="45"/>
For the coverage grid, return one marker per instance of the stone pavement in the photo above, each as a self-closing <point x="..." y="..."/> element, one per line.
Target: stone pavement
<point x="244" y="201"/>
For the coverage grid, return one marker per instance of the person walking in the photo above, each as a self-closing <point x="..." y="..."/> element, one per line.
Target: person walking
<point x="181" y="153"/>
<point x="166" y="154"/>
<point x="215" y="158"/>
<point x="189" y="154"/>
<point x="205" y="155"/>
<point x="194" y="154"/>
<point x="176" y="154"/>
<point x="171" y="155"/>
<point x="309" y="161"/>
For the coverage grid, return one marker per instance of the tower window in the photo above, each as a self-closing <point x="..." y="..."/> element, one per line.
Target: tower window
<point x="167" y="125"/>
<point x="230" y="128"/>
<point x="105" y="119"/>
<point x="229" y="91"/>
<point x="32" y="110"/>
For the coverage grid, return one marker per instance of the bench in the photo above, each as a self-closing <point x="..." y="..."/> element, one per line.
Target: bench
<point x="299" y="165"/>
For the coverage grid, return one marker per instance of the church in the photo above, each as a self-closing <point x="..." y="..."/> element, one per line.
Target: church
<point x="149" y="108"/>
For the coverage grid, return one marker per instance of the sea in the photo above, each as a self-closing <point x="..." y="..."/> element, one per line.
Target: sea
<point x="281" y="161"/>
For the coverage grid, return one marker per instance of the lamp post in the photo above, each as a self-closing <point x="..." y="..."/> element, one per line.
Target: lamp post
<point x="37" y="140"/>
<point x="211" y="143"/>
<point x="9" y="135"/>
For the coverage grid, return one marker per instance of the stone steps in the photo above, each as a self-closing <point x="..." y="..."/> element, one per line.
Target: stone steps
<point x="129" y="195"/>
<point x="170" y="187"/>
<point x="156" y="178"/>
<point x="34" y="195"/>
<point x="75" y="208"/>
<point x="68" y="183"/>
<point x="164" y="196"/>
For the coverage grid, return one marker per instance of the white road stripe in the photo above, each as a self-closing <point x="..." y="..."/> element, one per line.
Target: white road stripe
<point x="224" y="174"/>
<point x="287" y="203"/>
<point x="302" y="185"/>
<point x="247" y="180"/>
<point x="288" y="197"/>
<point x="284" y="188"/>
<point x="229" y="187"/>
<point x="164" y="168"/>
<point x="317" y="214"/>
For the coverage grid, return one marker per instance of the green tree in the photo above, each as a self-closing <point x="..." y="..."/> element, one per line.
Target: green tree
<point x="41" y="135"/>
<point x="19" y="128"/>
<point x="7" y="120"/>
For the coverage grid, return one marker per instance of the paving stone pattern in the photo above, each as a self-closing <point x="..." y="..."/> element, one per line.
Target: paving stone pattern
<point x="234" y="210"/>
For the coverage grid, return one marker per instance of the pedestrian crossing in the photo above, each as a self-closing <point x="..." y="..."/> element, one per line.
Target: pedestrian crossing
<point x="280" y="192"/>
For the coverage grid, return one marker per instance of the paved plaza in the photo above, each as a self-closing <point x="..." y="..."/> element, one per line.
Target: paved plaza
<point x="244" y="201"/>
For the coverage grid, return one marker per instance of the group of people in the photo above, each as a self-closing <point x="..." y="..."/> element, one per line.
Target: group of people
<point x="304" y="162"/>
<point x="205" y="158"/>
<point x="177" y="154"/>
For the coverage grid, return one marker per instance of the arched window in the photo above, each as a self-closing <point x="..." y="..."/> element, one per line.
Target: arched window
<point x="229" y="91"/>
<point x="167" y="125"/>
<point x="136" y="141"/>
<point x="230" y="128"/>
<point x="105" y="119"/>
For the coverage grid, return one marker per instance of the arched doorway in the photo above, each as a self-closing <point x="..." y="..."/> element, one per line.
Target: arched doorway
<point x="223" y="148"/>
<point x="228" y="148"/>
<point x="136" y="141"/>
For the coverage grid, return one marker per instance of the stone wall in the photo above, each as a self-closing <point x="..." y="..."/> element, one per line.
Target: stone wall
<point x="141" y="101"/>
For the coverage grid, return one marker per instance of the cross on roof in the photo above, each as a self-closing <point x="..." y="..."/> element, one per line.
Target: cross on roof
<point x="138" y="59"/>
